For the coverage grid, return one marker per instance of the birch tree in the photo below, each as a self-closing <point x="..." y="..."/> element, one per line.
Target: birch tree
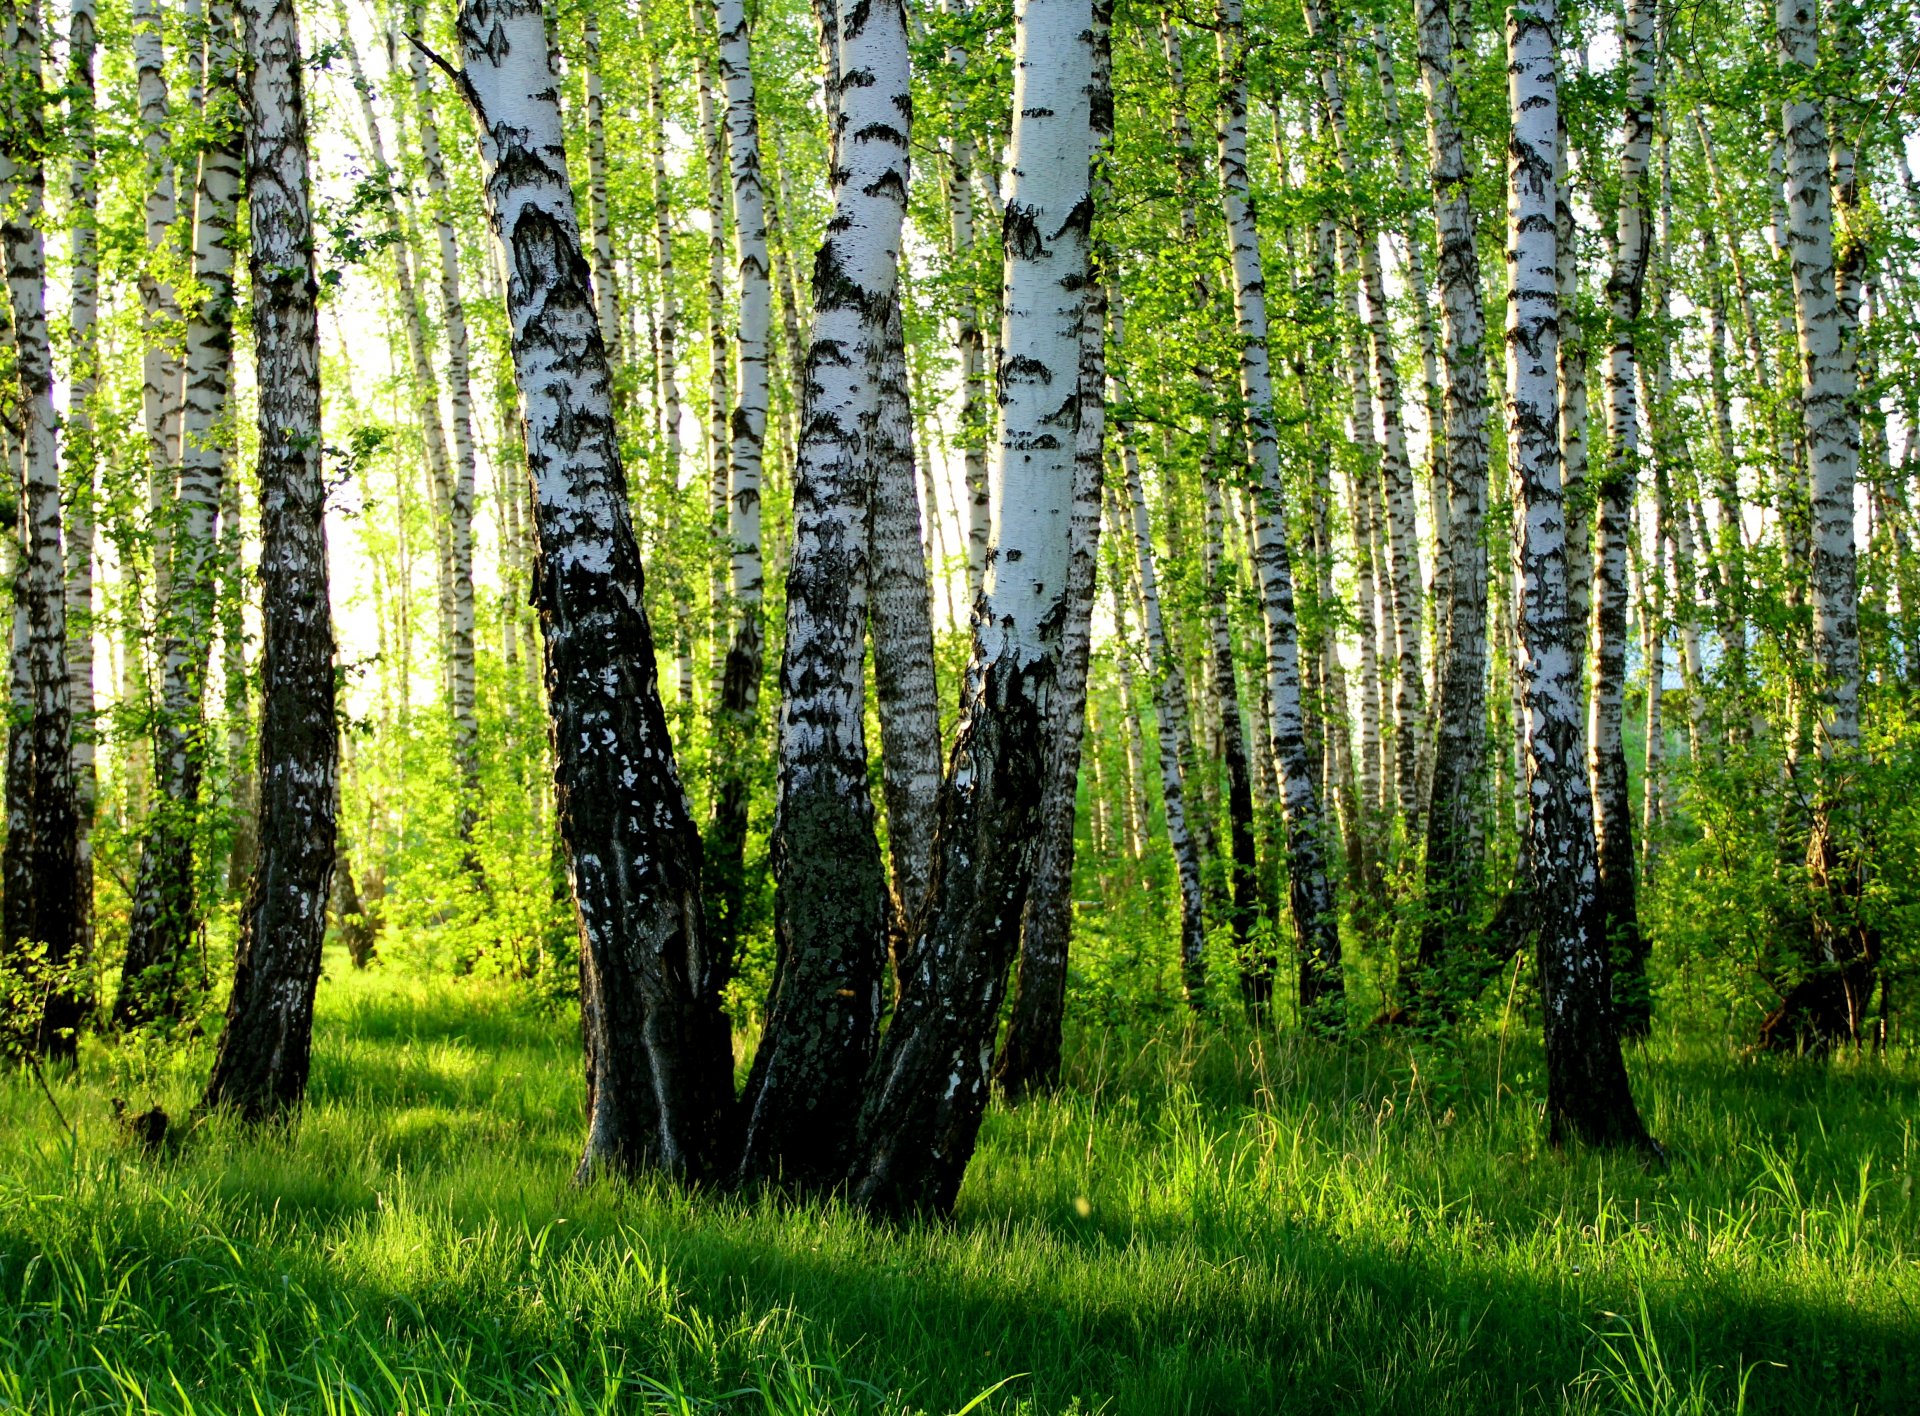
<point x="1459" y="766"/>
<point x="1830" y="1002"/>
<point x="164" y="916"/>
<point x="1606" y="748"/>
<point x="82" y="447"/>
<point x="929" y="1083"/>
<point x="462" y="675"/>
<point x="739" y="698"/>
<point x="41" y="865"/>
<point x="265" y="1049"/>
<point x="1588" y="1098"/>
<point x="659" y="1059"/>
<point x="1316" y="925"/>
<point x="823" y="1012"/>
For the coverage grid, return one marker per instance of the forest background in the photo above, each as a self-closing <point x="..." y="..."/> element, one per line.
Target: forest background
<point x="1233" y="1166"/>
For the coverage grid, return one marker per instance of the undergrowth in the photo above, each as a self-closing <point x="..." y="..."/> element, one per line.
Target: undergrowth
<point x="1202" y="1220"/>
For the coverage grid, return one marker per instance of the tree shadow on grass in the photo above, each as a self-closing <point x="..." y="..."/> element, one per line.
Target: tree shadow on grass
<point x="1139" y="1321"/>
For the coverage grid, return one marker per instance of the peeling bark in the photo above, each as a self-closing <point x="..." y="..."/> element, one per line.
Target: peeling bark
<point x="830" y="915"/>
<point x="659" y="1057"/>
<point x="1588" y="1097"/>
<point x="260" y="1069"/>
<point x="929" y="1082"/>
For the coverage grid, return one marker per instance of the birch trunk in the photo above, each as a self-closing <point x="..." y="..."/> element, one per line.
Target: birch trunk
<point x="738" y="715"/>
<point x="164" y="915"/>
<point x="1029" y="1059"/>
<point x="159" y="310"/>
<point x="1607" y="754"/>
<point x="713" y="147"/>
<point x="41" y="866"/>
<point x="900" y="621"/>
<point x="1459" y="756"/>
<point x="82" y="450"/>
<point x="461" y="672"/>
<point x="606" y="294"/>
<point x="426" y="383"/>
<point x="975" y="417"/>
<point x="1829" y="1004"/>
<point x="830" y="915"/>
<point x="1588" y="1098"/>
<point x="1403" y="574"/>
<point x="1573" y="411"/>
<point x="666" y="375"/>
<point x="1170" y="716"/>
<point x="1430" y="381"/>
<point x="929" y="1084"/>
<point x="233" y="652"/>
<point x="1316" y="923"/>
<point x="659" y="1059"/>
<point x="1256" y="975"/>
<point x="264" y="1051"/>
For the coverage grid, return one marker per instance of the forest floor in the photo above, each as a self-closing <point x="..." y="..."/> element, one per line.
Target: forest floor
<point x="1199" y="1222"/>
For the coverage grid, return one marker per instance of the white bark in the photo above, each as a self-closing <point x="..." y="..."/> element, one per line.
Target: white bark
<point x="1170" y="716"/>
<point x="163" y="913"/>
<point x="1460" y="575"/>
<point x="1587" y="1092"/>
<point x="830" y="919"/>
<point x="975" y="417"/>
<point x="262" y="1061"/>
<point x="1606" y="747"/>
<point x="1828" y="387"/>
<point x="930" y="1080"/>
<point x="1404" y="577"/>
<point x="659" y="1063"/>
<point x="159" y="310"/>
<point x="82" y="450"/>
<point x="666" y="374"/>
<point x="461" y="675"/>
<point x="1312" y="893"/>
<point x="606" y="294"/>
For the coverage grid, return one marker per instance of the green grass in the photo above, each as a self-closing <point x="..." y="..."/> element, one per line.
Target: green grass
<point x="1200" y="1222"/>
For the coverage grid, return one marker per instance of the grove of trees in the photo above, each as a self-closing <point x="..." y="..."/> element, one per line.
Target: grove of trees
<point x="1414" y="505"/>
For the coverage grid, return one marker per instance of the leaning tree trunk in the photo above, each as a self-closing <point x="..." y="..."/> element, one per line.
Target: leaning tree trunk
<point x="1588" y="1097"/>
<point x="1829" y="1004"/>
<point x="1315" y="918"/>
<point x="1606" y="748"/>
<point x="830" y="910"/>
<point x="41" y="865"/>
<point x="737" y="713"/>
<point x="929" y="1084"/>
<point x="264" y="1052"/>
<point x="163" y="918"/>
<point x="659" y="1057"/>
<point x="1454" y="829"/>
<point x="1029" y="1059"/>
